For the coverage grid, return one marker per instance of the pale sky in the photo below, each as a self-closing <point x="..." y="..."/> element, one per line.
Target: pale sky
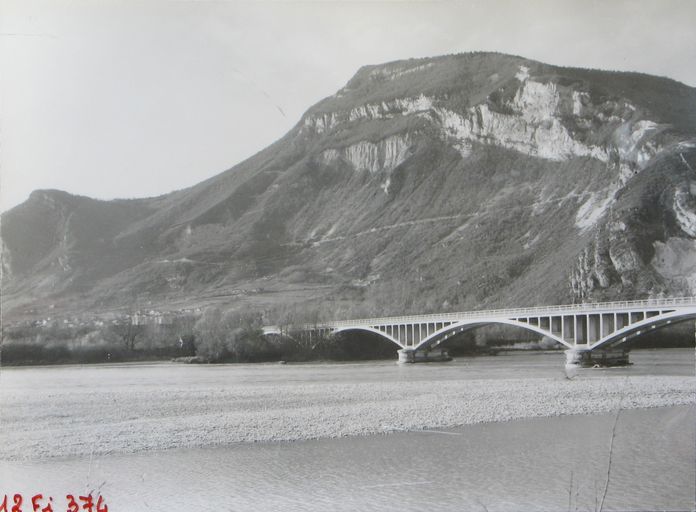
<point x="138" y="98"/>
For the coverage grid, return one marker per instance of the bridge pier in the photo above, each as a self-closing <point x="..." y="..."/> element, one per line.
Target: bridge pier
<point x="602" y="357"/>
<point x="435" y="355"/>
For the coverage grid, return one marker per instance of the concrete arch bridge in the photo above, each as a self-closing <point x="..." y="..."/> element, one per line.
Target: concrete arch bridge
<point x="586" y="330"/>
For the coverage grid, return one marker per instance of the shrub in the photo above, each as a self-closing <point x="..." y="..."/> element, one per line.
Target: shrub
<point x="232" y="336"/>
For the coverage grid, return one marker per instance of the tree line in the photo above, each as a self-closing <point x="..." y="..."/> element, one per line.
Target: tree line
<point x="221" y="335"/>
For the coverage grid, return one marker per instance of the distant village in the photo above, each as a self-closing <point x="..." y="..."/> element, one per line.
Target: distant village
<point x="140" y="317"/>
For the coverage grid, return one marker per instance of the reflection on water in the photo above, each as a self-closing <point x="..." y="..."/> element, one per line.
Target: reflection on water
<point x="537" y="464"/>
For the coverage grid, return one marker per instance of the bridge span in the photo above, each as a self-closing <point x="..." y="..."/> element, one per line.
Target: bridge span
<point x="586" y="330"/>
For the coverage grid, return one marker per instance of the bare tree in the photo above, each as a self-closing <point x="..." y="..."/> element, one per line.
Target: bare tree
<point x="127" y="331"/>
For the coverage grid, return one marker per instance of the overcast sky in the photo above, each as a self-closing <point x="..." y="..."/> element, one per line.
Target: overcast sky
<point x="138" y="98"/>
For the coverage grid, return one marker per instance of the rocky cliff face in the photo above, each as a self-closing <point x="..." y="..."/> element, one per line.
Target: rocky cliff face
<point x="458" y="182"/>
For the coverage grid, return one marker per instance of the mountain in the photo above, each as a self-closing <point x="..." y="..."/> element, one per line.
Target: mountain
<point x="458" y="182"/>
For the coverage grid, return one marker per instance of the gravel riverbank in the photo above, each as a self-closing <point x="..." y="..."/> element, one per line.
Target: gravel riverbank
<point x="72" y="413"/>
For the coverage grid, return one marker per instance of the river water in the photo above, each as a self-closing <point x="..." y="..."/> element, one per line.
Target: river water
<point x="552" y="463"/>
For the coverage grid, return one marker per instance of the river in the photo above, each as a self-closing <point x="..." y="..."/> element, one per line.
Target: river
<point x="125" y="431"/>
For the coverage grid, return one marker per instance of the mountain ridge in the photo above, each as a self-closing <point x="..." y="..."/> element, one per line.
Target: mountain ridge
<point x="439" y="183"/>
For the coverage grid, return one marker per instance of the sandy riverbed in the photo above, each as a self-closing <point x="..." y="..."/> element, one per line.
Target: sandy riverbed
<point x="101" y="411"/>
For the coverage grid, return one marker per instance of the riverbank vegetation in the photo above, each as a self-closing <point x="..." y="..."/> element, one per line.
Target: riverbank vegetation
<point x="220" y="335"/>
<point x="99" y="342"/>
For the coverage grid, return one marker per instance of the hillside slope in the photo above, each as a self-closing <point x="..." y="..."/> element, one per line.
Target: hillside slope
<point x="457" y="182"/>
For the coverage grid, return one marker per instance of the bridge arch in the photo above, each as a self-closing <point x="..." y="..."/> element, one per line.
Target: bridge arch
<point x="368" y="329"/>
<point x="465" y="325"/>
<point x="649" y="323"/>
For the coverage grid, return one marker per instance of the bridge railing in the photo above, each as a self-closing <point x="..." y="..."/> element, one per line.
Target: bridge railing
<point x="531" y="311"/>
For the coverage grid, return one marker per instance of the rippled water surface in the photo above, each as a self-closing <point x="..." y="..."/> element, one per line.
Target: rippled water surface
<point x="557" y="463"/>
